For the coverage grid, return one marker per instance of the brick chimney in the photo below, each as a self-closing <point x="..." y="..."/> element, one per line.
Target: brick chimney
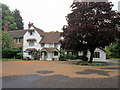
<point x="30" y="25"/>
<point x="5" y="27"/>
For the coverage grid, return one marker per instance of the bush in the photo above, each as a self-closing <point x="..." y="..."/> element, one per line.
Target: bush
<point x="10" y="52"/>
<point x="62" y="58"/>
<point x="84" y="58"/>
<point x="91" y="64"/>
<point x="19" y="55"/>
<point x="65" y="57"/>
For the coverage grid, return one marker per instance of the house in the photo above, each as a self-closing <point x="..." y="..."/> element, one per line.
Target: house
<point x="47" y="43"/>
<point x="17" y="36"/>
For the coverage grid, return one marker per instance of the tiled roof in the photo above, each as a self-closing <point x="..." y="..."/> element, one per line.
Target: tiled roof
<point x="17" y="33"/>
<point x="41" y="32"/>
<point x="51" y="37"/>
<point x="20" y="33"/>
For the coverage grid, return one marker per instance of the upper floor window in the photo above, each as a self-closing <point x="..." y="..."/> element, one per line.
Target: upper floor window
<point x="50" y="45"/>
<point x="31" y="32"/>
<point x="42" y="45"/>
<point x="31" y="43"/>
<point x="17" y="40"/>
<point x="97" y="55"/>
<point x="56" y="45"/>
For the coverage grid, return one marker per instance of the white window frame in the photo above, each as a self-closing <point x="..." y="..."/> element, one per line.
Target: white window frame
<point x="50" y="45"/>
<point x="17" y="40"/>
<point x="31" y="32"/>
<point x="55" y="45"/>
<point x="96" y="54"/>
<point x="55" y="53"/>
<point x="42" y="45"/>
<point x="31" y="43"/>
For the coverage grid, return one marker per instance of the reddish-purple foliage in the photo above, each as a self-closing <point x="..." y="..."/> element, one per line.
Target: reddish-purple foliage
<point x="90" y="25"/>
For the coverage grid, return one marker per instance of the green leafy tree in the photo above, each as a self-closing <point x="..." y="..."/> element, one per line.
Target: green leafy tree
<point x="7" y="40"/>
<point x="8" y="50"/>
<point x="115" y="49"/>
<point x="7" y="18"/>
<point x="18" y="19"/>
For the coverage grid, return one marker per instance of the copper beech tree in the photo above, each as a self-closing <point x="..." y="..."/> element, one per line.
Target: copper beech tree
<point x="90" y="25"/>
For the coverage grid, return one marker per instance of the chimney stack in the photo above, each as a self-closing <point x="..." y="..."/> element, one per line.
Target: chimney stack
<point x="5" y="27"/>
<point x="30" y="25"/>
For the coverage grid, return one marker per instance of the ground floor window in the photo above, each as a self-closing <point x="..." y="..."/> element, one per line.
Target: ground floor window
<point x="44" y="53"/>
<point x="55" y="53"/>
<point x="97" y="55"/>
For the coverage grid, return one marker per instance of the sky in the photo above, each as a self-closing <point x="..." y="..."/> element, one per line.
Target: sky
<point x="48" y="15"/>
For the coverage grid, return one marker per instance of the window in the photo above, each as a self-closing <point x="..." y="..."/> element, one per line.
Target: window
<point x="55" y="45"/>
<point x="31" y="32"/>
<point x="17" y="40"/>
<point x="50" y="45"/>
<point x="55" y="53"/>
<point x="97" y="55"/>
<point x="42" y="45"/>
<point x="31" y="43"/>
<point x="29" y="53"/>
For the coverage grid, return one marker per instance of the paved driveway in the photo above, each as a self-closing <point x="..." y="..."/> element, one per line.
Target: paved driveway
<point x="58" y="74"/>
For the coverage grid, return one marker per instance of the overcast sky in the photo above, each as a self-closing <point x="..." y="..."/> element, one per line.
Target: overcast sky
<point x="48" y="15"/>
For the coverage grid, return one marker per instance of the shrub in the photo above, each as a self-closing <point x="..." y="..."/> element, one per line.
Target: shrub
<point x="19" y="55"/>
<point x="84" y="58"/>
<point x="91" y="64"/>
<point x="10" y="52"/>
<point x="62" y="58"/>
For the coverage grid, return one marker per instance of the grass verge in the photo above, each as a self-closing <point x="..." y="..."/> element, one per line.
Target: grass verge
<point x="114" y="59"/>
<point x="6" y="59"/>
<point x="91" y="64"/>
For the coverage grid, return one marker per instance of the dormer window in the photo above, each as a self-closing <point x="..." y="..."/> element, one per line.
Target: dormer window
<point x="31" y="32"/>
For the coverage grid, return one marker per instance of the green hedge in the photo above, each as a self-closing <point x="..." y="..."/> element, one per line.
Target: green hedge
<point x="72" y="57"/>
<point x="84" y="58"/>
<point x="65" y="57"/>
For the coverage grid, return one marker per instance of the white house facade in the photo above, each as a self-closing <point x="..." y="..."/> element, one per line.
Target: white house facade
<point x="31" y="42"/>
<point x="46" y="42"/>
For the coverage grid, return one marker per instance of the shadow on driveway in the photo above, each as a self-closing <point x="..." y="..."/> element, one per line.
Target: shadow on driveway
<point x="58" y="81"/>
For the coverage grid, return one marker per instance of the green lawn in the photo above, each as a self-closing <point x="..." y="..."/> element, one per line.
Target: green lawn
<point x="91" y="64"/>
<point x="5" y="59"/>
<point x="114" y="59"/>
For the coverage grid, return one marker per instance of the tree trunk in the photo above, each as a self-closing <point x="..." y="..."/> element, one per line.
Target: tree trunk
<point x="91" y="55"/>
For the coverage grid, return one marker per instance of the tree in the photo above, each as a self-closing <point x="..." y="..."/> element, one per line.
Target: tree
<point x="8" y="50"/>
<point x="114" y="49"/>
<point x="7" y="40"/>
<point x="18" y="19"/>
<point x="90" y="25"/>
<point x="7" y="18"/>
